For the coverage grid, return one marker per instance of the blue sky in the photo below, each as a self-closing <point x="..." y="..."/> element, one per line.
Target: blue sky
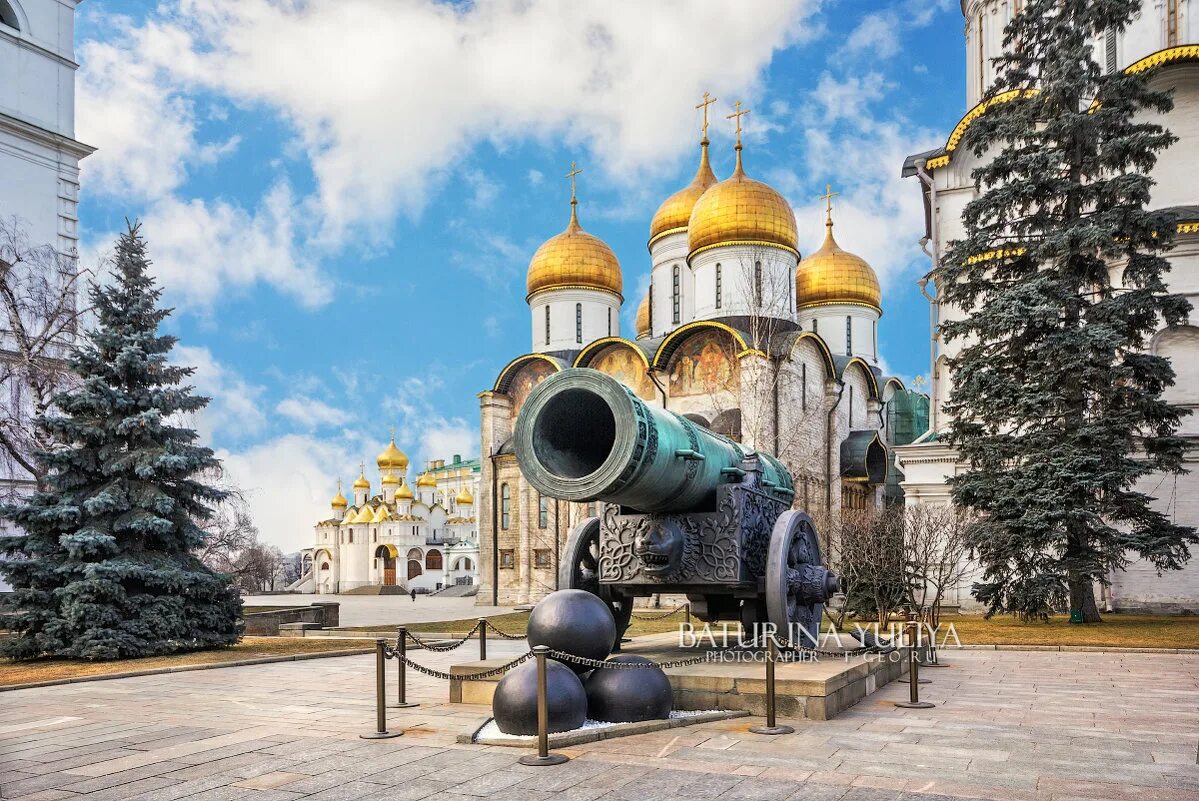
<point x="342" y="196"/>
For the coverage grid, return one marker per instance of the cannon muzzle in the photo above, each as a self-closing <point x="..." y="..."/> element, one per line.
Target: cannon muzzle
<point x="584" y="436"/>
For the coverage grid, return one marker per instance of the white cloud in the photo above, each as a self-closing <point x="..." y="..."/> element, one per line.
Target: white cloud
<point x="310" y="413"/>
<point x="877" y="35"/>
<point x="442" y="438"/>
<point x="236" y="407"/>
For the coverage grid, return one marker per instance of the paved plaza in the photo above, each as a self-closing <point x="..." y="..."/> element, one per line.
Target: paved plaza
<point x="371" y="610"/>
<point x="1007" y="725"/>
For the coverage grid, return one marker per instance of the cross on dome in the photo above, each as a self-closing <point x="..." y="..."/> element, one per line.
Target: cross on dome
<point x="737" y="115"/>
<point x="707" y="101"/>
<point x="828" y="196"/>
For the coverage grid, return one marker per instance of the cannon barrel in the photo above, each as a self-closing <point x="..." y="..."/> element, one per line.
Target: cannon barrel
<point x="584" y="436"/>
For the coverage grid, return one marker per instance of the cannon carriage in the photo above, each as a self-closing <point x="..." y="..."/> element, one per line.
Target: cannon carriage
<point x="685" y="510"/>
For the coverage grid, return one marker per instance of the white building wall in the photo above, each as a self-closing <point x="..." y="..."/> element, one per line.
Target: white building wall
<point x="668" y="254"/>
<point x="600" y="318"/>
<point x="738" y="284"/>
<point x="830" y="323"/>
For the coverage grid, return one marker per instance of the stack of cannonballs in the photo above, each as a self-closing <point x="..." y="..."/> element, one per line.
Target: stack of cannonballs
<point x="578" y="623"/>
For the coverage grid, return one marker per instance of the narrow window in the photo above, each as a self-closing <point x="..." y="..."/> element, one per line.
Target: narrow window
<point x="609" y="321"/>
<point x="874" y="335"/>
<point x="982" y="81"/>
<point x="505" y="506"/>
<point x="674" y="296"/>
<point x="1171" y="23"/>
<point x="651" y="306"/>
<point x="791" y="290"/>
<point x="848" y="336"/>
<point x="543" y="512"/>
<point x="547" y="324"/>
<point x="757" y="283"/>
<point x="579" y="323"/>
<point x="803" y="391"/>
<point x="351" y="542"/>
<point x="851" y="408"/>
<point x="8" y="16"/>
<point x="815" y="326"/>
<point x="1109" y="42"/>
<point x="719" y="286"/>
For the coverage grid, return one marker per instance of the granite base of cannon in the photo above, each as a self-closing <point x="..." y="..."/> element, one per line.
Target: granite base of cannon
<point x="818" y="690"/>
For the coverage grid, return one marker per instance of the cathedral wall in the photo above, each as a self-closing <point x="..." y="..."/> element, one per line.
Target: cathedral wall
<point x="741" y="293"/>
<point x="847" y="329"/>
<point x="598" y="312"/>
<point x="803" y="416"/>
<point x="668" y="253"/>
<point x="1175" y="170"/>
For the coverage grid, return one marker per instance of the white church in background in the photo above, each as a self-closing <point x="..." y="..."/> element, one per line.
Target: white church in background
<point x="401" y="538"/>
<point x="1165" y="36"/>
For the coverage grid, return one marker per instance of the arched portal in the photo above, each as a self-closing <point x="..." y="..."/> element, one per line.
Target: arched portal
<point x="433" y="560"/>
<point x="414" y="569"/>
<point x="464" y="563"/>
<point x="386" y="554"/>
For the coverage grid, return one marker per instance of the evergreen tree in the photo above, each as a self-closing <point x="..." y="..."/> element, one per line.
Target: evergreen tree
<point x="104" y="566"/>
<point x="1056" y="403"/>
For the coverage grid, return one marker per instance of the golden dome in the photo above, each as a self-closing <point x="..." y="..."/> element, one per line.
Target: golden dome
<point x="389" y="480"/>
<point x="643" y="329"/>
<point x="426" y="480"/>
<point x="740" y="210"/>
<point x="404" y="493"/>
<point x="675" y="212"/>
<point x="464" y="497"/>
<point x="361" y="482"/>
<point x="392" y="458"/>
<point x="339" y="501"/>
<point x="574" y="258"/>
<point x="832" y="275"/>
<point x="364" y="515"/>
<point x="380" y="514"/>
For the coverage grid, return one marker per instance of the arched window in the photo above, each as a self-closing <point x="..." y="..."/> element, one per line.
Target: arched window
<point x="8" y="15"/>
<point x="579" y="323"/>
<point x="505" y="506"/>
<point x="848" y="336"/>
<point x="413" y="569"/>
<point x="757" y="283"/>
<point x="719" y="286"/>
<point x="433" y="560"/>
<point x="675" y="295"/>
<point x="547" y="324"/>
<point x="815" y="326"/>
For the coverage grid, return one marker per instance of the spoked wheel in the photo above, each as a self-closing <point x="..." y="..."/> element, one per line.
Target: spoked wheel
<point x="580" y="571"/>
<point x="797" y="585"/>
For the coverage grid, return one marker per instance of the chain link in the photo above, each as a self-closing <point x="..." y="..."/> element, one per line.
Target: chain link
<point x="663" y="615"/>
<point x="438" y="674"/>
<point x="441" y="647"/>
<point x="491" y="627"/>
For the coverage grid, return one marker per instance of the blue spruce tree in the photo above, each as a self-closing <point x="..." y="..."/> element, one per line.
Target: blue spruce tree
<point x="102" y="563"/>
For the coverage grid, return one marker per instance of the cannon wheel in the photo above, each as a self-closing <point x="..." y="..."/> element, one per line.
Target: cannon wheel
<point x="793" y="543"/>
<point x="579" y="570"/>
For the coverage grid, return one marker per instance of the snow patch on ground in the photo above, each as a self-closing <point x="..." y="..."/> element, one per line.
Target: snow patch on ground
<point x="492" y="732"/>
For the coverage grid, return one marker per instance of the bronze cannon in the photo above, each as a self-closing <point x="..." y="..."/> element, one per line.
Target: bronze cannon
<point x="685" y="510"/>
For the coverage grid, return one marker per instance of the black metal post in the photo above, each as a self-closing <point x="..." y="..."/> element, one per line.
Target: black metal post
<point x="544" y="757"/>
<point x="381" y="732"/>
<point x="914" y="629"/>
<point x="913" y="701"/>
<point x="930" y="653"/>
<point x="771" y="727"/>
<point x="402" y="670"/>
<point x="687" y="613"/>
<point x="482" y="638"/>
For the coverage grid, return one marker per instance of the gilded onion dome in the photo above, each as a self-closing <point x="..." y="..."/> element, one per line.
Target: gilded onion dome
<point x="741" y="211"/>
<point x="426" y="480"/>
<point x="392" y="458"/>
<point x="464" y="497"/>
<point x="643" y="327"/>
<point x="348" y="519"/>
<point x="381" y="515"/>
<point x="361" y="482"/>
<point x="404" y="493"/>
<point x="574" y="259"/>
<point x="365" y="514"/>
<point x="675" y="212"/>
<point x="832" y="275"/>
<point x="390" y="480"/>
<point x="339" y="501"/>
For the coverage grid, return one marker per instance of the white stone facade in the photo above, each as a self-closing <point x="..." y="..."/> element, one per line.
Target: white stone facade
<point x="1168" y="31"/>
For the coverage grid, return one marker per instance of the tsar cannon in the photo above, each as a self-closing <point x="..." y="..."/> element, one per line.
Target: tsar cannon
<point x="685" y="510"/>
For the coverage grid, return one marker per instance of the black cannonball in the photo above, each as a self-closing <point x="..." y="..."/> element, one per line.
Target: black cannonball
<point x="575" y="622"/>
<point x="514" y="705"/>
<point x="626" y="695"/>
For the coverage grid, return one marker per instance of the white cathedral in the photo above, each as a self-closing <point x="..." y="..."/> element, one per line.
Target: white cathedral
<point x="1164" y="36"/>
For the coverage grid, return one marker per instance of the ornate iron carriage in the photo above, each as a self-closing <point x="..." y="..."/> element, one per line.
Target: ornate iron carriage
<point x="685" y="510"/>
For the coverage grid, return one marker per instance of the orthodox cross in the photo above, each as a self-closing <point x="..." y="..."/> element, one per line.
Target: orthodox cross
<point x="571" y="175"/>
<point x="708" y="100"/>
<point x="737" y="115"/>
<point x="827" y="197"/>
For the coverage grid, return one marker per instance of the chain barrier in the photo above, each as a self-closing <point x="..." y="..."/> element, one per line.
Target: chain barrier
<point x="482" y="674"/>
<point x="442" y="647"/>
<point x="503" y="634"/>
<point x="562" y="656"/>
<point x="662" y="615"/>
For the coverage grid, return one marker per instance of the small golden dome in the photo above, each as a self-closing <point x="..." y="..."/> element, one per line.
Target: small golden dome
<point x="675" y="212"/>
<point x="426" y="480"/>
<point x="389" y="480"/>
<point x="339" y="501"/>
<point x="832" y="275"/>
<point x="643" y="329"/>
<point x="740" y="210"/>
<point x="392" y="458"/>
<point x="404" y="493"/>
<point x="380" y="514"/>
<point x="348" y="519"/>
<point x="365" y="514"/>
<point x="361" y="482"/>
<point x="464" y="497"/>
<point x="574" y="258"/>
